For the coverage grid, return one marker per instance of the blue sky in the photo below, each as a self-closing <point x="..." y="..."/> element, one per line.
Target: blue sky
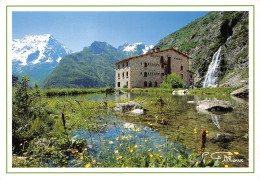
<point x="79" y="29"/>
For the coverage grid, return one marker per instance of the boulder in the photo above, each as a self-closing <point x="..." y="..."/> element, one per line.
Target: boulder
<point x="214" y="105"/>
<point x="129" y="106"/>
<point x="118" y="92"/>
<point x="242" y="92"/>
<point x="180" y="92"/>
<point x="221" y="137"/>
<point x="138" y="111"/>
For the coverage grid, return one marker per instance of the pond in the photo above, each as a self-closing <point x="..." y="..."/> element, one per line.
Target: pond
<point x="226" y="132"/>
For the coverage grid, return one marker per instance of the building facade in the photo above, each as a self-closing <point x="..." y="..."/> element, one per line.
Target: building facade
<point x="147" y="70"/>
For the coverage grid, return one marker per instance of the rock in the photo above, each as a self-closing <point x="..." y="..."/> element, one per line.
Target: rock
<point x="180" y="92"/>
<point x="216" y="105"/>
<point x="118" y="92"/>
<point x="242" y="92"/>
<point x="129" y="106"/>
<point x="221" y="137"/>
<point x="21" y="158"/>
<point x="190" y="102"/>
<point x="138" y="111"/>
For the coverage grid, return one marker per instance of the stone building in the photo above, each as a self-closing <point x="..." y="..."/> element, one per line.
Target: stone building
<point x="147" y="70"/>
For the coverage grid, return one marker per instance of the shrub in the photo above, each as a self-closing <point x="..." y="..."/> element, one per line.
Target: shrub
<point x="172" y="81"/>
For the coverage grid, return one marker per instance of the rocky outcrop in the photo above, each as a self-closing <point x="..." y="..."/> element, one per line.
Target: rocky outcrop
<point x="214" y="105"/>
<point x="129" y="106"/>
<point x="242" y="92"/>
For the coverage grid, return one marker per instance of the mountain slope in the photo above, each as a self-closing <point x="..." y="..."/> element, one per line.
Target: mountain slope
<point x="202" y="38"/>
<point x="36" y="56"/>
<point x="91" y="68"/>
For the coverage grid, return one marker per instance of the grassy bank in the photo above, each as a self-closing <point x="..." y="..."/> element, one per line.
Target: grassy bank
<point x="72" y="92"/>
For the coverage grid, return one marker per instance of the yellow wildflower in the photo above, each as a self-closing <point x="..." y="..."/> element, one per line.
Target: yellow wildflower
<point x="81" y="157"/>
<point x="140" y="145"/>
<point x="135" y="146"/>
<point x="94" y="161"/>
<point x="236" y="153"/>
<point x="146" y="140"/>
<point x="159" y="150"/>
<point x="226" y="166"/>
<point x="116" y="151"/>
<point x="88" y="165"/>
<point x="110" y="142"/>
<point x="131" y="150"/>
<point x="119" y="157"/>
<point x="80" y="154"/>
<point x="117" y="138"/>
<point x="151" y="155"/>
<point x="85" y="149"/>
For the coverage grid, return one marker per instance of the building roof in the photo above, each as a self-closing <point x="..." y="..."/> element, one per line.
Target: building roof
<point x="156" y="52"/>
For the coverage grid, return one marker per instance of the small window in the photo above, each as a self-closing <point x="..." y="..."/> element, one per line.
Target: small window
<point x="181" y="76"/>
<point x="145" y="83"/>
<point x="118" y="66"/>
<point x="118" y="75"/>
<point x="145" y="74"/>
<point x="191" y="76"/>
<point x="162" y="74"/>
<point x="127" y="84"/>
<point x="127" y="74"/>
<point x="150" y="84"/>
<point x="145" y="64"/>
<point x="118" y="84"/>
<point x="155" y="84"/>
<point x="127" y="64"/>
<point x="181" y="68"/>
<point x="141" y="72"/>
<point x="123" y="65"/>
<point x="123" y="75"/>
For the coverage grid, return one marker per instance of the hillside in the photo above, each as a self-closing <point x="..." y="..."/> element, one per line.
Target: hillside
<point x="91" y="68"/>
<point x="203" y="37"/>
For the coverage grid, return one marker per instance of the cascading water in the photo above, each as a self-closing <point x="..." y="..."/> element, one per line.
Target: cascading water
<point x="211" y="75"/>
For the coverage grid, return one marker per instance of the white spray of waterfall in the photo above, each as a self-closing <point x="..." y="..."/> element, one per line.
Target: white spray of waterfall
<point x="211" y="75"/>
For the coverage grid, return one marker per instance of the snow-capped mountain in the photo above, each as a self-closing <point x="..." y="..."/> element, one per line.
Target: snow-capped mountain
<point x="135" y="49"/>
<point x="37" y="56"/>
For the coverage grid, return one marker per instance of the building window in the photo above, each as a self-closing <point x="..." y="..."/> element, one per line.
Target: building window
<point x="161" y="60"/>
<point x="145" y="74"/>
<point x="118" y="75"/>
<point x="118" y="66"/>
<point x="145" y="83"/>
<point x="162" y="74"/>
<point x="127" y="84"/>
<point x="181" y="68"/>
<point x="118" y="84"/>
<point x="191" y="76"/>
<point x="141" y="73"/>
<point x="145" y="64"/>
<point x="150" y="84"/>
<point x="123" y="65"/>
<point x="127" y="64"/>
<point x="155" y="84"/>
<point x="181" y="76"/>
<point x="123" y="75"/>
<point x="127" y="74"/>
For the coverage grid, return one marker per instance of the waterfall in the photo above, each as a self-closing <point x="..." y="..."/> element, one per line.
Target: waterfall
<point x="211" y="75"/>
